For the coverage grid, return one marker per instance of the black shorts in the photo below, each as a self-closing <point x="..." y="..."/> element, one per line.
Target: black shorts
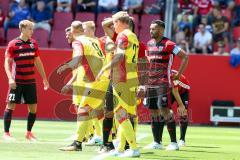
<point x="23" y="94"/>
<point x="109" y="103"/>
<point x="185" y="98"/>
<point x="157" y="98"/>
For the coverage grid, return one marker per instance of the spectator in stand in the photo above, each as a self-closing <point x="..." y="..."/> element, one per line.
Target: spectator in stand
<point x="202" y="40"/>
<point x="204" y="21"/>
<point x="185" y="6"/>
<point x="185" y="35"/>
<point x="50" y="4"/>
<point x="86" y="5"/>
<point x="42" y="16"/>
<point x="226" y="4"/>
<point x="17" y="13"/>
<point x="2" y="17"/>
<point x="221" y="49"/>
<point x="184" y="23"/>
<point x="201" y="8"/>
<point x="156" y="8"/>
<point x="236" y="16"/>
<point x="14" y="3"/>
<point x="107" y="6"/>
<point x="184" y="45"/>
<point x="236" y="50"/>
<point x="220" y="26"/>
<point x="64" y="5"/>
<point x="133" y="6"/>
<point x="235" y="55"/>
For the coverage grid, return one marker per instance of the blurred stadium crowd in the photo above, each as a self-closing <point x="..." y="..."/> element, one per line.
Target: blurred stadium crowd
<point x="200" y="26"/>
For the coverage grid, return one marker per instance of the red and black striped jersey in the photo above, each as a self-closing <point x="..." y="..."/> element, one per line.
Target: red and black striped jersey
<point x="160" y="58"/>
<point x="182" y="83"/>
<point x="23" y="54"/>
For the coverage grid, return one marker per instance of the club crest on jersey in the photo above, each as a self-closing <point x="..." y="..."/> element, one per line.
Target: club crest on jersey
<point x="164" y="99"/>
<point x="31" y="45"/>
<point x="160" y="48"/>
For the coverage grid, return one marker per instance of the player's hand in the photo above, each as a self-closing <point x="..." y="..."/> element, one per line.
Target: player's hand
<point x="99" y="75"/>
<point x="45" y="84"/>
<point x="181" y="110"/>
<point x="62" y="68"/>
<point x="66" y="89"/>
<point x="176" y="77"/>
<point x="141" y="91"/>
<point x="12" y="84"/>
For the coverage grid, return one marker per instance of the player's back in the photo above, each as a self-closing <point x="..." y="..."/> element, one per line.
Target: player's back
<point x="93" y="57"/>
<point x="127" y="69"/>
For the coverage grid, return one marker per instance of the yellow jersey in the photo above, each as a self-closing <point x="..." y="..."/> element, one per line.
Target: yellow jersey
<point x="92" y="58"/>
<point x="126" y="70"/>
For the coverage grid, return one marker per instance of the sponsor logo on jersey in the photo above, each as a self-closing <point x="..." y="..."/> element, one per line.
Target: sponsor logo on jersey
<point x="26" y="54"/>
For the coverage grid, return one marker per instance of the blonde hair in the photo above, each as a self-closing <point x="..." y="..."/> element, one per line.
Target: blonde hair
<point x="25" y="23"/>
<point x="77" y="25"/>
<point x="121" y="16"/>
<point x="89" y="24"/>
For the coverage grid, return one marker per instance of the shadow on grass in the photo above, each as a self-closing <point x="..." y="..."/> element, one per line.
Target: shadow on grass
<point x="197" y="151"/>
<point x="157" y="156"/>
<point x="202" y="146"/>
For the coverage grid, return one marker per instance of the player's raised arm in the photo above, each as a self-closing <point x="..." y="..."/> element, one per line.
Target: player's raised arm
<point x="107" y="25"/>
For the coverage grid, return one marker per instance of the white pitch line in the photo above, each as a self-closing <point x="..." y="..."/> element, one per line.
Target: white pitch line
<point x="38" y="142"/>
<point x="103" y="156"/>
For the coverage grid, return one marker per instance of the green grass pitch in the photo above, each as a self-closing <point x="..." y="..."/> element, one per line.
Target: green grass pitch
<point x="203" y="143"/>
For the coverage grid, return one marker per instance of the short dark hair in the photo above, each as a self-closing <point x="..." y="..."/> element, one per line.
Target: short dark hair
<point x="131" y="24"/>
<point x="159" y="23"/>
<point x="68" y="29"/>
<point x="218" y="8"/>
<point x="202" y="24"/>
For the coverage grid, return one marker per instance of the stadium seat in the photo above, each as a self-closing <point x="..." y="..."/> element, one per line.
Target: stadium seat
<point x="42" y="37"/>
<point x="144" y="35"/>
<point x="145" y="24"/>
<point x="227" y="48"/>
<point x="62" y="20"/>
<point x="137" y="24"/>
<point x="237" y="2"/>
<point x="215" y="47"/>
<point x="100" y="18"/>
<point x="58" y="39"/>
<point x="12" y="33"/>
<point x="236" y="33"/>
<point x="148" y="2"/>
<point x="227" y="14"/>
<point x="147" y="19"/>
<point x="5" y="6"/>
<point x="1" y="37"/>
<point x="85" y="16"/>
<point x="99" y="31"/>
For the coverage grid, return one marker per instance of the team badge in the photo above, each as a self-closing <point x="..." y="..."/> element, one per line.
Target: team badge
<point x="31" y="45"/>
<point x="164" y="99"/>
<point x="160" y="48"/>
